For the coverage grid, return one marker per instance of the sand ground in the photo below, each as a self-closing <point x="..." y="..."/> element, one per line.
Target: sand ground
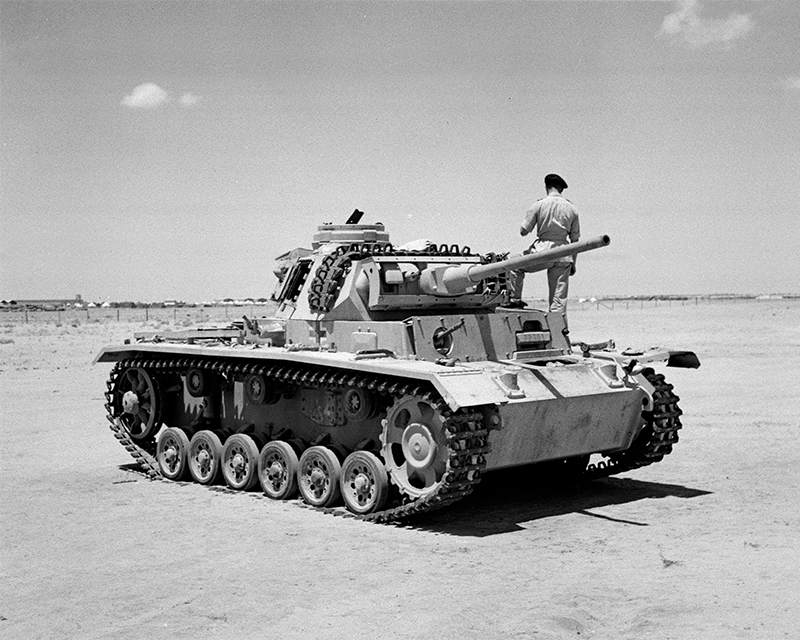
<point x="705" y="544"/>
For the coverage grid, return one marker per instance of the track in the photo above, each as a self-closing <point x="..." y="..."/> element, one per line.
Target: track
<point x="464" y="431"/>
<point x="656" y="439"/>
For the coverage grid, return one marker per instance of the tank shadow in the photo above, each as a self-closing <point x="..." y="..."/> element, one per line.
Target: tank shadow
<point x="506" y="498"/>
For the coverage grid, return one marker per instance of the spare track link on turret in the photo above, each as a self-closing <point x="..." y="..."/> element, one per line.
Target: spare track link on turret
<point x="465" y="434"/>
<point x="656" y="439"/>
<point x="328" y="279"/>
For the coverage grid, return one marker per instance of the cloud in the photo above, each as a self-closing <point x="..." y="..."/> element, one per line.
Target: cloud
<point x="146" y="96"/>
<point x="793" y="84"/>
<point x="687" y="23"/>
<point x="150" y="96"/>
<point x="189" y="99"/>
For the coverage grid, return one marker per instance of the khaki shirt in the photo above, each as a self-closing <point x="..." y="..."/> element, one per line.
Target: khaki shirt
<point x="556" y="221"/>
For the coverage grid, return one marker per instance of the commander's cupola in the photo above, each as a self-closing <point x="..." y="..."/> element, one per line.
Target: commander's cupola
<point x="351" y="232"/>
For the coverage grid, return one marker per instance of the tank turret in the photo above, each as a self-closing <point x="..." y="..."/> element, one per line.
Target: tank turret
<point x="355" y="273"/>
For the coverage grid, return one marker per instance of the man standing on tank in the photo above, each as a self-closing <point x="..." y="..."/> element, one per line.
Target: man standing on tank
<point x="557" y="224"/>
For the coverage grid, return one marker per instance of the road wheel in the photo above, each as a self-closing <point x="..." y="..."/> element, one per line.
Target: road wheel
<point x="240" y="462"/>
<point x="205" y="457"/>
<point x="364" y="483"/>
<point x="318" y="476"/>
<point x="171" y="453"/>
<point x="277" y="470"/>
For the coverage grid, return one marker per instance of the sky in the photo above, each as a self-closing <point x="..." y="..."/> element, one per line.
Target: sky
<point x="173" y="149"/>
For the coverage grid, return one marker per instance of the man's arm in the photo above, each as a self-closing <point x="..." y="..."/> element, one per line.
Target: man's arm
<point x="574" y="236"/>
<point x="575" y="229"/>
<point x="530" y="220"/>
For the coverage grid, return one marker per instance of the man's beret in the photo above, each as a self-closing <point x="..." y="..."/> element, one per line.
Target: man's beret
<point x="555" y="180"/>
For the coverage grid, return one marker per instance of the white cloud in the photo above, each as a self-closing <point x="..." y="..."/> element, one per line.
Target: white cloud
<point x="697" y="31"/>
<point x="189" y="99"/>
<point x="792" y="84"/>
<point x="146" y="96"/>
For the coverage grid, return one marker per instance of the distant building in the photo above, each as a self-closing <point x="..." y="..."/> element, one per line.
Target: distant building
<point x="50" y="304"/>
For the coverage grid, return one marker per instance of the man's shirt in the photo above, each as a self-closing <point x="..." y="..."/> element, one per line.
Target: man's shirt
<point x="556" y="221"/>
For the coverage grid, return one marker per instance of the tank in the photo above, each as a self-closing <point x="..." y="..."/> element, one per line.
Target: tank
<point x="388" y="382"/>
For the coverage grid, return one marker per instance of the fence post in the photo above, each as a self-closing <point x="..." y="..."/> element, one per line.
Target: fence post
<point x="26" y="315"/>
<point x="147" y="313"/>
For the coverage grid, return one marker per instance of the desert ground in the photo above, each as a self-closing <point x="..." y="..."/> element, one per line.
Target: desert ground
<point x="705" y="544"/>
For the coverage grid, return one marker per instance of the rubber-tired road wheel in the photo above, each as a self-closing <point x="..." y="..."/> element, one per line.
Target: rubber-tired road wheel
<point x="240" y="462"/>
<point x="205" y="457"/>
<point x="318" y="476"/>
<point x="364" y="483"/>
<point x="277" y="470"/>
<point x="171" y="453"/>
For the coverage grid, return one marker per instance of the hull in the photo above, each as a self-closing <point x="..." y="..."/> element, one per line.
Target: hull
<point x="566" y="427"/>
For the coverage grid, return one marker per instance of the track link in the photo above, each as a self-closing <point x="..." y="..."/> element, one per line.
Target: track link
<point x="655" y="440"/>
<point x="466" y="436"/>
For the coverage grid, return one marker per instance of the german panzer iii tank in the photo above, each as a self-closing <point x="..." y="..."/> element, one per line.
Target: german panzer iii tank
<point x="390" y="380"/>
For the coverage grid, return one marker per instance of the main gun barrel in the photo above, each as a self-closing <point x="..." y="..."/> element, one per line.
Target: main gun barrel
<point x="455" y="280"/>
<point x="478" y="272"/>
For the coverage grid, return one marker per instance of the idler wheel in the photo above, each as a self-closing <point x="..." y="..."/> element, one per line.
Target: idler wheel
<point x="415" y="446"/>
<point x="138" y="403"/>
<point x="240" y="462"/>
<point x="200" y="382"/>
<point x="364" y="483"/>
<point x="318" y="476"/>
<point x="171" y="453"/>
<point x="205" y="457"/>
<point x="277" y="470"/>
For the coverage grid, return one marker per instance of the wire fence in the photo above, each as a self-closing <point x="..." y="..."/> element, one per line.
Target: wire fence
<point x="217" y="314"/>
<point x="159" y="315"/>
<point x="654" y="303"/>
